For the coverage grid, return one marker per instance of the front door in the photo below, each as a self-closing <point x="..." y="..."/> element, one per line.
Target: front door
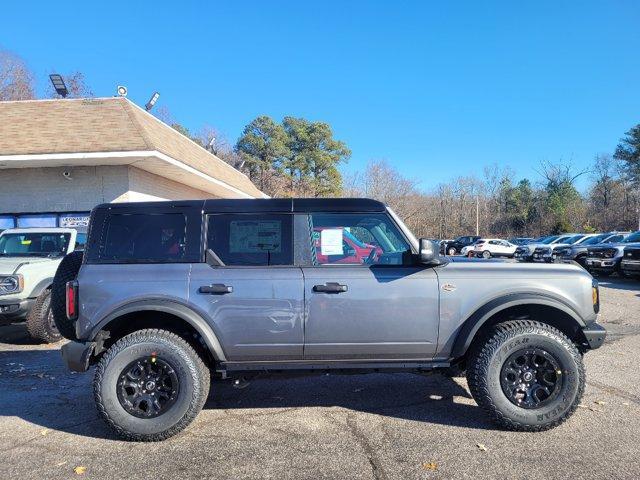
<point x="255" y="301"/>
<point x="370" y="305"/>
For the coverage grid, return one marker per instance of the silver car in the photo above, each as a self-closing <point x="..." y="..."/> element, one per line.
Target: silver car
<point x="170" y="294"/>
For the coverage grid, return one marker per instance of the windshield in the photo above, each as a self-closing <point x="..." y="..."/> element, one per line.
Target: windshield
<point x="548" y="240"/>
<point x="634" y="237"/>
<point x="574" y="239"/>
<point x="36" y="244"/>
<point x="596" y="239"/>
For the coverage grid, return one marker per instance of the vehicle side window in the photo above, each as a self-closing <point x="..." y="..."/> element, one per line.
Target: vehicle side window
<point x="494" y="242"/>
<point x="615" y="238"/>
<point x="145" y="238"/>
<point x="81" y="241"/>
<point x="251" y="240"/>
<point x="356" y="239"/>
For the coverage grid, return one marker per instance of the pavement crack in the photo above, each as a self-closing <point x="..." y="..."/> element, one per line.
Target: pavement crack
<point x="615" y="391"/>
<point x="365" y="445"/>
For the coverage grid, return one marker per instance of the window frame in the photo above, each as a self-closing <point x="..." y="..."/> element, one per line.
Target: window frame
<point x="99" y="223"/>
<point x="205" y="237"/>
<point x="308" y="239"/>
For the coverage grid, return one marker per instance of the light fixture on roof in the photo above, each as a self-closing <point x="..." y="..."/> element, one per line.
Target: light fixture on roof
<point x="122" y="91"/>
<point x="211" y="146"/>
<point x="152" y="101"/>
<point x="58" y="84"/>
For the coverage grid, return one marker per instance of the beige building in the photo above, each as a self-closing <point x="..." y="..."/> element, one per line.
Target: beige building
<point x="60" y="158"/>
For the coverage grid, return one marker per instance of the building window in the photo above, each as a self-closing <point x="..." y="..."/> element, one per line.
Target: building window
<point x="38" y="220"/>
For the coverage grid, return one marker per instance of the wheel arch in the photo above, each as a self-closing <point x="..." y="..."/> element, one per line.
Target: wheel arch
<point x="536" y="306"/>
<point x="172" y="315"/>
<point x="41" y="286"/>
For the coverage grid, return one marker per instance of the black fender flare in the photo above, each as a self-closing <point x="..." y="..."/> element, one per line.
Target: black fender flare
<point x="41" y="286"/>
<point x="182" y="311"/>
<point x="477" y="319"/>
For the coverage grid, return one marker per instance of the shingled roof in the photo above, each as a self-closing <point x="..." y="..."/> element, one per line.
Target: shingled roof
<point x="95" y="128"/>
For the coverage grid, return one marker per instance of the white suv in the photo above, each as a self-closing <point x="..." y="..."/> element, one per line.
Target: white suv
<point x="29" y="258"/>
<point x="493" y="247"/>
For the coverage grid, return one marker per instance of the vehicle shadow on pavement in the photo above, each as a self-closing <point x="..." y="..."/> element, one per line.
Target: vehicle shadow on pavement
<point x="37" y="388"/>
<point x="619" y="283"/>
<point x="430" y="399"/>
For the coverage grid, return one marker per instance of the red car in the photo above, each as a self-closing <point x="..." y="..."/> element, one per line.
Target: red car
<point x="354" y="250"/>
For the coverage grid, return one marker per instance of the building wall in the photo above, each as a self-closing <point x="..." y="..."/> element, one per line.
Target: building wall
<point x="24" y="190"/>
<point x="47" y="190"/>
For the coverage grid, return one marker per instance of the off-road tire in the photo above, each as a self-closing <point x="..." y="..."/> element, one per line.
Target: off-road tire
<point x="66" y="272"/>
<point x="193" y="377"/>
<point x="39" y="321"/>
<point x="485" y="365"/>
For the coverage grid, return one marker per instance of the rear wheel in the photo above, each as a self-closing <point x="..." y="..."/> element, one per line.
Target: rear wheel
<point x="526" y="375"/>
<point x="40" y="322"/>
<point x="150" y="385"/>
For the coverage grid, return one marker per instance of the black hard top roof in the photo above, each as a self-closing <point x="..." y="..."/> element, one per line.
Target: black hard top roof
<point x="275" y="205"/>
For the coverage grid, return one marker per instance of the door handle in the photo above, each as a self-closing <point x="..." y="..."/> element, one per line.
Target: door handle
<point x="216" y="289"/>
<point x="330" y="287"/>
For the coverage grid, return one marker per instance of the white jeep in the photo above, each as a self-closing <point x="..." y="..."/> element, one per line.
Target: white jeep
<point x="29" y="258"/>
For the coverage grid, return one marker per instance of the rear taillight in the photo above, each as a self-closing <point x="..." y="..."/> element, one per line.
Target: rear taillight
<point x="72" y="300"/>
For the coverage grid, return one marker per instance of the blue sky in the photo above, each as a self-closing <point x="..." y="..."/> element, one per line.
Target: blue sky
<point x="438" y="89"/>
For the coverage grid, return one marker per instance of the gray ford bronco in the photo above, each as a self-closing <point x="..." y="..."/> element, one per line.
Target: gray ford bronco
<point x="170" y="294"/>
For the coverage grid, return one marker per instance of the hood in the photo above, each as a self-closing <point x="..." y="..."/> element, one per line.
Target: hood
<point x="8" y="265"/>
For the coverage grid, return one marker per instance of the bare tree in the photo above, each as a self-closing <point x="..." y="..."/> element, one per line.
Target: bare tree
<point x="16" y="80"/>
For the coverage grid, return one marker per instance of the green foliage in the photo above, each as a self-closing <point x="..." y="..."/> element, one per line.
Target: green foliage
<point x="263" y="147"/>
<point x="628" y="151"/>
<point x="313" y="158"/>
<point x="303" y="154"/>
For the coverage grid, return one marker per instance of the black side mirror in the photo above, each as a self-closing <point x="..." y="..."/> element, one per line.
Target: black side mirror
<point x="428" y="252"/>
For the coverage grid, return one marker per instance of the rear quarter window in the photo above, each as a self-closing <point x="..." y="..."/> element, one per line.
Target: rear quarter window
<point x="145" y="238"/>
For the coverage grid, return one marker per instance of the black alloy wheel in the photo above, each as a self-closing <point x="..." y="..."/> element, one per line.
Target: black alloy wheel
<point x="531" y="378"/>
<point x="148" y="387"/>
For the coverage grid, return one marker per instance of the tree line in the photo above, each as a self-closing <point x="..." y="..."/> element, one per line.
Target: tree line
<point x="300" y="157"/>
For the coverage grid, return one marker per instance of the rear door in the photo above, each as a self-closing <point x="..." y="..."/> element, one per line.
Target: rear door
<point x="374" y="307"/>
<point x="255" y="301"/>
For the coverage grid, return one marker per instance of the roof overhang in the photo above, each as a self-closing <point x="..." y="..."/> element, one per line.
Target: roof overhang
<point x="151" y="161"/>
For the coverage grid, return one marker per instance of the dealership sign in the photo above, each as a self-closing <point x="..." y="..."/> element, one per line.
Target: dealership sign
<point x="74" y="221"/>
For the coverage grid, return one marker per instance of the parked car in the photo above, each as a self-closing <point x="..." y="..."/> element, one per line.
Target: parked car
<point x="352" y="250"/>
<point x="454" y="247"/>
<point x="29" y="258"/>
<point x="605" y="259"/>
<point x="548" y="253"/>
<point x="578" y="252"/>
<point x="630" y="263"/>
<point x="493" y="247"/>
<point x="158" y="321"/>
<point x="524" y="253"/>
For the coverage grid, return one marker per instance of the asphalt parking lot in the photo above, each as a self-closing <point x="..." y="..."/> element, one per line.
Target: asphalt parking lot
<point x="381" y="426"/>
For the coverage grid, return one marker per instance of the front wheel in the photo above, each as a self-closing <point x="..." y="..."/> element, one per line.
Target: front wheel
<point x="527" y="375"/>
<point x="150" y="385"/>
<point x="486" y="254"/>
<point x="451" y="251"/>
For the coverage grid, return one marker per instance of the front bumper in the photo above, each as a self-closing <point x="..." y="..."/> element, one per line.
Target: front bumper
<point x="595" y="335"/>
<point x="76" y="355"/>
<point x="601" y="264"/>
<point x="630" y="266"/>
<point x="12" y="310"/>
<point x="523" y="257"/>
